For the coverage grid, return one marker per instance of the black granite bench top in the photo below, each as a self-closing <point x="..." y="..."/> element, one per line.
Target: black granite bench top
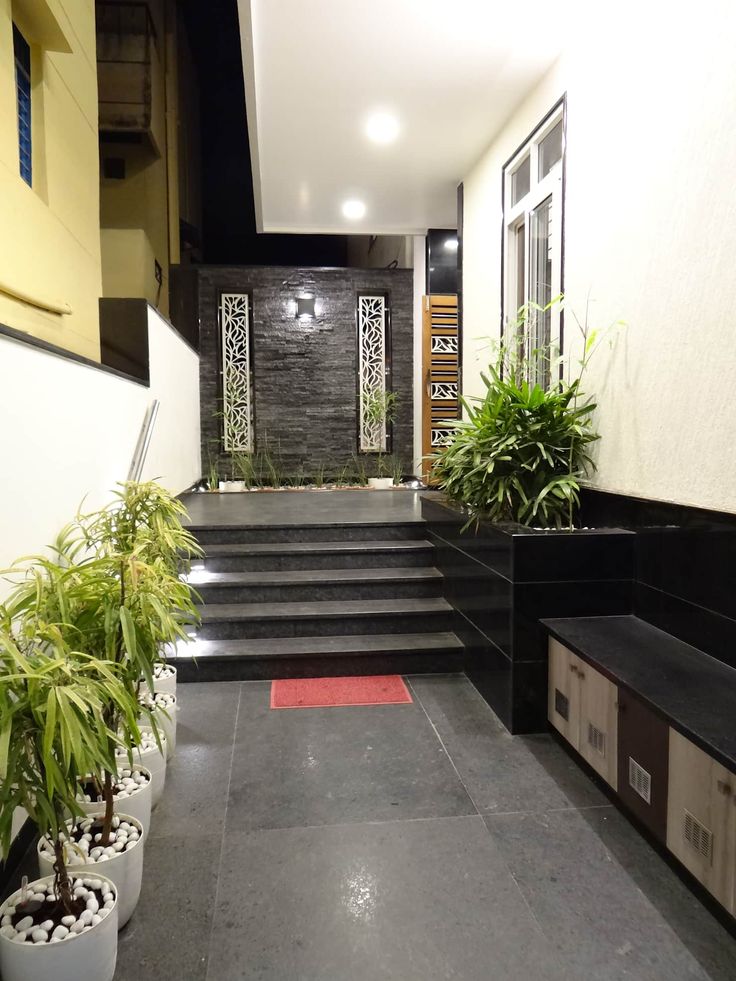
<point x="695" y="693"/>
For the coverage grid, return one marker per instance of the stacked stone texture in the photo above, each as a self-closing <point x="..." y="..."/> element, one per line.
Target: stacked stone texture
<point x="305" y="371"/>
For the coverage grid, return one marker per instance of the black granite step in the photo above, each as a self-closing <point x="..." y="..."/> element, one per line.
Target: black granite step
<point x="296" y="586"/>
<point x="324" y="618"/>
<point x="231" y="534"/>
<point x="310" y="657"/>
<point x="276" y="556"/>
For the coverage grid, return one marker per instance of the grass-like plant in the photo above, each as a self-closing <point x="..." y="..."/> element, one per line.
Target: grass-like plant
<point x="521" y="450"/>
<point x="53" y="733"/>
<point x="113" y="589"/>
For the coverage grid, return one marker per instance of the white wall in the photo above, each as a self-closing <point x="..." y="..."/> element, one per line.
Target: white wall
<point x="650" y="236"/>
<point x="70" y="430"/>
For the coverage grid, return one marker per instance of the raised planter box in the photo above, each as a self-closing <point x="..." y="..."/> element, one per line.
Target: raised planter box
<point x="503" y="578"/>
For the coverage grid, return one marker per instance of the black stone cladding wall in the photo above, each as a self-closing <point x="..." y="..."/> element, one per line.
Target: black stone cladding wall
<point x="305" y="371"/>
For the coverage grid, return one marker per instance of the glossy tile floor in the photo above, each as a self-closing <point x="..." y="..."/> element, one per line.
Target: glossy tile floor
<point x="405" y="842"/>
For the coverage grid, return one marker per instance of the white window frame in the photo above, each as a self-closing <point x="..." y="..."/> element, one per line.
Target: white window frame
<point x="551" y="186"/>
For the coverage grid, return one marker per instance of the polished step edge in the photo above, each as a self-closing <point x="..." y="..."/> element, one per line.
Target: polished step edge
<point x="315" y="548"/>
<point x="308" y="576"/>
<point x="212" y="612"/>
<point x="332" y="646"/>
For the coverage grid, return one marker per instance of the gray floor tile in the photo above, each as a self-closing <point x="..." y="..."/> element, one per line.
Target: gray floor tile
<point x="300" y="767"/>
<point x="168" y="937"/>
<point x="612" y="906"/>
<point x="405" y="900"/>
<point x="195" y="795"/>
<point x="502" y="773"/>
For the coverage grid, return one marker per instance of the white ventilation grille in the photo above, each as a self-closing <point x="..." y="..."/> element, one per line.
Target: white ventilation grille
<point x="640" y="780"/>
<point x="698" y="836"/>
<point x="597" y="739"/>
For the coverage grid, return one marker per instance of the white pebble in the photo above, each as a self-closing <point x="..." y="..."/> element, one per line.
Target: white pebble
<point x="39" y="936"/>
<point x="6" y="921"/>
<point x="109" y="903"/>
<point x="96" y="919"/>
<point x="110" y="851"/>
<point x="98" y="837"/>
<point x="80" y="892"/>
<point x="103" y="858"/>
<point x="60" y="932"/>
<point x="78" y="926"/>
<point x="92" y="904"/>
<point x="47" y="925"/>
<point x="86" y="837"/>
<point x="20" y="937"/>
<point x="119" y="846"/>
<point x="131" y="844"/>
<point x="68" y="920"/>
<point x="8" y="931"/>
<point x="95" y="883"/>
<point x="85" y="917"/>
<point x="39" y="896"/>
<point x="95" y="853"/>
<point x="25" y="924"/>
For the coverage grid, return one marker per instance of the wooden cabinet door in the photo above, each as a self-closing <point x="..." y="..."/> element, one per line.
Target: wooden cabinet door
<point x="701" y="817"/>
<point x="563" y="708"/>
<point x="643" y="762"/>
<point x="598" y="742"/>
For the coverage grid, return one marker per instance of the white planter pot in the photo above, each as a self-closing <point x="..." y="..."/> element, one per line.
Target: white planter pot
<point x="154" y="760"/>
<point x="165" y="719"/>
<point x="124" y="870"/>
<point x="381" y="483"/>
<point x="88" y="956"/>
<point x="167" y="684"/>
<point x="138" y="804"/>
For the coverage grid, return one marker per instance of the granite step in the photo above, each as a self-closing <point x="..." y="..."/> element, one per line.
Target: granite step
<point x="232" y="534"/>
<point x="324" y="618"/>
<point x="277" y="556"/>
<point x="310" y="657"/>
<point x="307" y="585"/>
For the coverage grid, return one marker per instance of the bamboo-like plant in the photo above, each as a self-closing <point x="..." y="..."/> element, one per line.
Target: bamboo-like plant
<point x="114" y="590"/>
<point x="521" y="449"/>
<point x="53" y="733"/>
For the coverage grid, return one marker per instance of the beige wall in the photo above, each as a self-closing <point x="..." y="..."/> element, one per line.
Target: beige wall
<point x="49" y="234"/>
<point x="154" y="192"/>
<point x="650" y="237"/>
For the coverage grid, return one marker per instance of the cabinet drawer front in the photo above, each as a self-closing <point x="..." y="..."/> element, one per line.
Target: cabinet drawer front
<point x="701" y="817"/>
<point x="599" y="723"/>
<point x="563" y="706"/>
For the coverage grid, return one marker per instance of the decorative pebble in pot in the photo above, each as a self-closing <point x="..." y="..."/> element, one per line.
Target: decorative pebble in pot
<point x="41" y="941"/>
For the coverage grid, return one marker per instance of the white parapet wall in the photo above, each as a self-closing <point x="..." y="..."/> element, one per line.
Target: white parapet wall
<point x="69" y="431"/>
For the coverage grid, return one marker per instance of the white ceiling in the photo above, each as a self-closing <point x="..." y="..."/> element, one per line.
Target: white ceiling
<point x="452" y="71"/>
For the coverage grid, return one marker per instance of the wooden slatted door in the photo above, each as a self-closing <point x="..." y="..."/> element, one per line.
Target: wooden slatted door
<point x="441" y="372"/>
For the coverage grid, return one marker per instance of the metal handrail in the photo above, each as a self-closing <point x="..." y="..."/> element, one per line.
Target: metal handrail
<point x="144" y="441"/>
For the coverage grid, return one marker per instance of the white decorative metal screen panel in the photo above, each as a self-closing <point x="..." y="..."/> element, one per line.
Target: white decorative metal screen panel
<point x="236" y="382"/>
<point x="372" y="373"/>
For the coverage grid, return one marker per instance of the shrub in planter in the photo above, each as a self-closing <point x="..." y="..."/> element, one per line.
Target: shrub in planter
<point x="522" y="449"/>
<point x="52" y="733"/>
<point x="132" y="793"/>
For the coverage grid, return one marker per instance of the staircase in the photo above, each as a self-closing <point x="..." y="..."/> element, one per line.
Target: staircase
<point x="288" y="601"/>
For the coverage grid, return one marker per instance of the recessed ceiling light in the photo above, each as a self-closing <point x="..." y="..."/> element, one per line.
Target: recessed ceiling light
<point x="451" y="244"/>
<point x="382" y="127"/>
<point x="353" y="209"/>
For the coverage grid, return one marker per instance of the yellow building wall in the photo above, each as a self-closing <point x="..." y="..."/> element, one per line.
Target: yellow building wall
<point x="49" y="234"/>
<point x="147" y="200"/>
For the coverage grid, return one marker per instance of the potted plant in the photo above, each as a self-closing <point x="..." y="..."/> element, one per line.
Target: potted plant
<point x="52" y="732"/>
<point x="379" y="410"/>
<point x="521" y="450"/>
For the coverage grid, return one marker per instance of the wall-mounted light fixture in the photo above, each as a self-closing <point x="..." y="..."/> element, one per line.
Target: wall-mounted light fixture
<point x="305" y="307"/>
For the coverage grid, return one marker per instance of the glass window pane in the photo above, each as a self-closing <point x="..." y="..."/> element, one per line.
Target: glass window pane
<point x="519" y="243"/>
<point x="520" y="180"/>
<point x="540" y="291"/>
<point x="550" y="150"/>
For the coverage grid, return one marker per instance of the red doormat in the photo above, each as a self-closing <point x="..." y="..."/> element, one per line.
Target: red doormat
<point x="385" y="689"/>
